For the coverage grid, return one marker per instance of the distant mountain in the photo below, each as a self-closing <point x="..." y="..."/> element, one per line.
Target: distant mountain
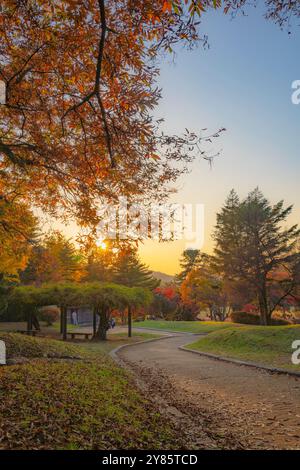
<point x="165" y="278"/>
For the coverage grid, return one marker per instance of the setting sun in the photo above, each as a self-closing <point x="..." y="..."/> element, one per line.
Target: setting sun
<point x="102" y="245"/>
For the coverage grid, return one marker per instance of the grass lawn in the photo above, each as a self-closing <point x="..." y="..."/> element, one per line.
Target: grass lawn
<point x="115" y="340"/>
<point x="88" y="403"/>
<point x="184" y="326"/>
<point x="52" y="331"/>
<point x="18" y="345"/>
<point x="270" y="345"/>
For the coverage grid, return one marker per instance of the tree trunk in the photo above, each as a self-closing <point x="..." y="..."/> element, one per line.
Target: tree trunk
<point x="29" y="321"/>
<point x="222" y="313"/>
<point x="101" y="333"/>
<point x="61" y="320"/>
<point x="263" y="308"/>
<point x="212" y="313"/>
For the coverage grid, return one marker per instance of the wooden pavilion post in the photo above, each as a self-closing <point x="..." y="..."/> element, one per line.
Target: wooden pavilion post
<point x="94" y="322"/>
<point x="129" y="322"/>
<point x="61" y="320"/>
<point x="29" y="321"/>
<point x="64" y="323"/>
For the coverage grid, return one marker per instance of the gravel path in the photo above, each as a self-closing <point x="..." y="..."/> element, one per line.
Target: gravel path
<point x="218" y="404"/>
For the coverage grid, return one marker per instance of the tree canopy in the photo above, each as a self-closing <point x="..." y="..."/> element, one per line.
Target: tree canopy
<point x="53" y="259"/>
<point x="103" y="298"/>
<point x="78" y="124"/>
<point x="80" y="76"/>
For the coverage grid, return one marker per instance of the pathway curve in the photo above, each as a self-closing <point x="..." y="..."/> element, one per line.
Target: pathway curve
<point x="218" y="404"/>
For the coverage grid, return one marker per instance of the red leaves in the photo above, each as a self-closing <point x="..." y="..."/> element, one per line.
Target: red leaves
<point x="167" y="6"/>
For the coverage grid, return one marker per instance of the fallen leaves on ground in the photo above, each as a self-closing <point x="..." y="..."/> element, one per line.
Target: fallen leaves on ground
<point x="88" y="404"/>
<point x="210" y="419"/>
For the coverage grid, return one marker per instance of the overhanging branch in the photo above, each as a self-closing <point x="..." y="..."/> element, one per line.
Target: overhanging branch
<point x="96" y="90"/>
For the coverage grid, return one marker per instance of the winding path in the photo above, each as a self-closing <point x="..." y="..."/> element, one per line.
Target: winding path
<point x="220" y="404"/>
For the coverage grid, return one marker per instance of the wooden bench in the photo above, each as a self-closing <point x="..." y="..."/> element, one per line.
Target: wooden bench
<point x="73" y="335"/>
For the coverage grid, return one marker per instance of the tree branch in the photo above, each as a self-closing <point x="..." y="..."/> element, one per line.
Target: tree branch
<point x="96" y="90"/>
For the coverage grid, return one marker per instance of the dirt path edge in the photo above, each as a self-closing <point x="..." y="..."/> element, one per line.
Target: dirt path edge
<point x="114" y="352"/>
<point x="239" y="362"/>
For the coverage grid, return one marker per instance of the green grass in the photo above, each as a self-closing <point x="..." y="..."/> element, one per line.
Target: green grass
<point x="18" y="345"/>
<point x="52" y="331"/>
<point x="184" y="326"/>
<point x="56" y="327"/>
<point x="75" y="404"/>
<point x="270" y="345"/>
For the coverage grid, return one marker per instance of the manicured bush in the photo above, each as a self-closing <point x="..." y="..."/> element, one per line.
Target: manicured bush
<point x="248" y="318"/>
<point x="49" y="314"/>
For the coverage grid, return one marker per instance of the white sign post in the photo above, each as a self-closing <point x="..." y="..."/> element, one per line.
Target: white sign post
<point x="2" y="353"/>
<point x="2" y="92"/>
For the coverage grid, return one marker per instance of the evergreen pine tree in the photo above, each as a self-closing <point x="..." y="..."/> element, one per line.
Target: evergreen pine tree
<point x="253" y="247"/>
<point x="131" y="272"/>
<point x="190" y="259"/>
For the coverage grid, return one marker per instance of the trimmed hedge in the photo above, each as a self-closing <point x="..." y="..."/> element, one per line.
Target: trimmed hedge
<point x="247" y="318"/>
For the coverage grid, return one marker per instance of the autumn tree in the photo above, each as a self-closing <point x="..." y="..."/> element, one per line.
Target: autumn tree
<point x="253" y="247"/>
<point x="54" y="260"/>
<point x="207" y="290"/>
<point x="165" y="302"/>
<point x="131" y="272"/>
<point x="106" y="297"/>
<point x="280" y="11"/>
<point x="99" y="263"/>
<point x="81" y="86"/>
<point x="18" y="233"/>
<point x="78" y="127"/>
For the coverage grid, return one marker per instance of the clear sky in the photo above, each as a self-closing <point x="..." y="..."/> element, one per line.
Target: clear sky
<point x="242" y="82"/>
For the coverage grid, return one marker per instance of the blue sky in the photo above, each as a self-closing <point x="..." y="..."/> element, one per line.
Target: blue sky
<point x="242" y="82"/>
